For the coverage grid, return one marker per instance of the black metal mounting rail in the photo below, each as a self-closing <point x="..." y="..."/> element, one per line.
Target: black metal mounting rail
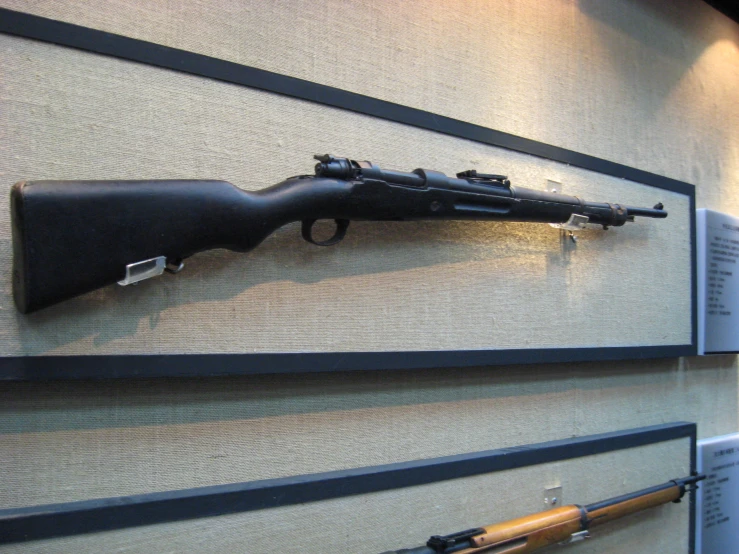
<point x="77" y="367"/>
<point x="105" y="514"/>
<point x="36" y="368"/>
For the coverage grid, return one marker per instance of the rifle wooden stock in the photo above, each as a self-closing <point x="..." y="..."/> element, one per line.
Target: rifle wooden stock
<point x="529" y="533"/>
<point x="632" y="506"/>
<point x="565" y="524"/>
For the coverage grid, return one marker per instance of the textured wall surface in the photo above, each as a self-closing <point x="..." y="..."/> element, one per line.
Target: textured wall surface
<point x="645" y="83"/>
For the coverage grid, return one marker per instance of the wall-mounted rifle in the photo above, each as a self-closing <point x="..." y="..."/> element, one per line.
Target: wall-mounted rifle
<point x="72" y="237"/>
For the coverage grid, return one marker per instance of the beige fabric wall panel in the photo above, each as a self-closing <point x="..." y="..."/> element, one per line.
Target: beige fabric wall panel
<point x="67" y="441"/>
<point x="389" y="286"/>
<point x="646" y="83"/>
<point x="377" y="522"/>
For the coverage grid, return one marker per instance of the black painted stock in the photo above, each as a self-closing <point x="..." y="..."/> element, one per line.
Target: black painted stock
<point x="73" y="237"/>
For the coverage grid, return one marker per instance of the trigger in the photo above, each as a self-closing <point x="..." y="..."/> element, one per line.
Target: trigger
<point x="341" y="226"/>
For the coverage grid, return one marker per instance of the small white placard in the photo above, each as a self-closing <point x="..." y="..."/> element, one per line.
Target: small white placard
<point x="717" y="237"/>
<point x="717" y="503"/>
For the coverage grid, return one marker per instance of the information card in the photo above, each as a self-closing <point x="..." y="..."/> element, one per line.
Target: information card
<point x="718" y="282"/>
<point x="717" y="502"/>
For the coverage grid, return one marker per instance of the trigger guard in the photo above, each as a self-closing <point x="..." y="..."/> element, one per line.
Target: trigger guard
<point x="341" y="226"/>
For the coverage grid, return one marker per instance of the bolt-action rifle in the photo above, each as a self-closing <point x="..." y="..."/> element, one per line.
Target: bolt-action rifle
<point x="564" y="525"/>
<point x="73" y="237"/>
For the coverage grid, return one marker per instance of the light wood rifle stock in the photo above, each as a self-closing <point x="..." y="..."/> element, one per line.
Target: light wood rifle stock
<point x="530" y="533"/>
<point x="606" y="514"/>
<point x="559" y="525"/>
